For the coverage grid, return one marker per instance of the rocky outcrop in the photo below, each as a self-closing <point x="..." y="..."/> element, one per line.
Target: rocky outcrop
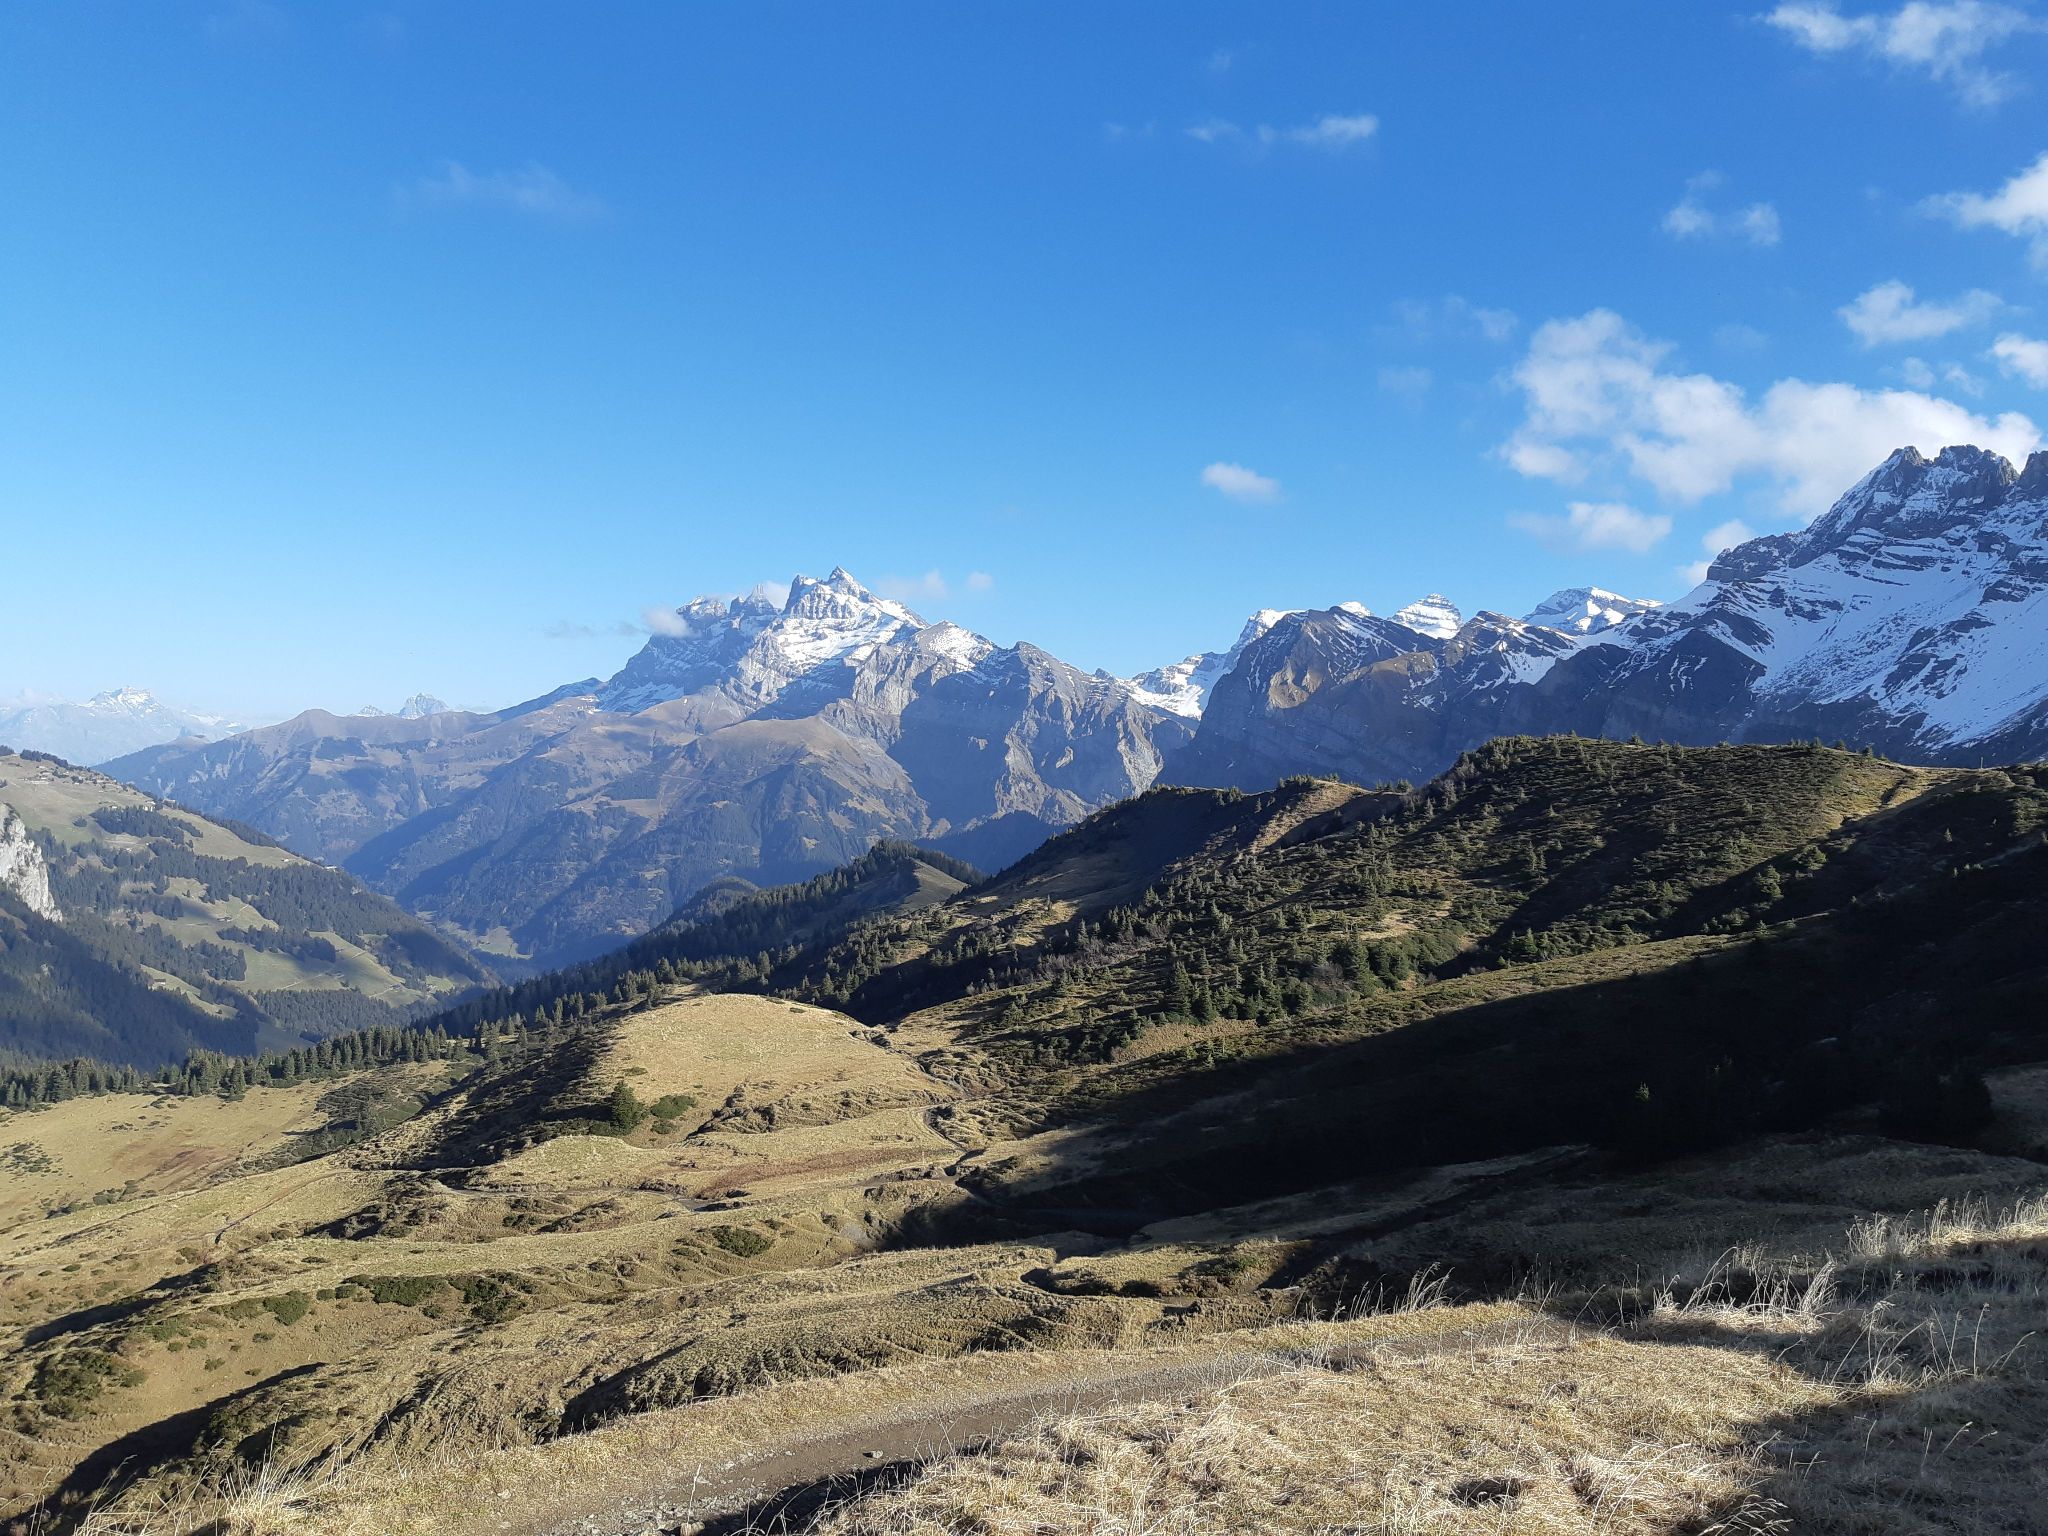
<point x="23" y="874"/>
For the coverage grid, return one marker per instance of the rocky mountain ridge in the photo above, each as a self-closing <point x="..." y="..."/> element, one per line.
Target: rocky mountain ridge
<point x="1912" y="618"/>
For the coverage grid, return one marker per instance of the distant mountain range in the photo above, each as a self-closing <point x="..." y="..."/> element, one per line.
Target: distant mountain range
<point x="766" y="739"/>
<point x="750" y="738"/>
<point x="107" y="725"/>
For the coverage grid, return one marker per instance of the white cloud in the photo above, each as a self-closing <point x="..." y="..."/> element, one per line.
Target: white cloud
<point x="1597" y="525"/>
<point x="1737" y="337"/>
<point x="1597" y="392"/>
<point x="1945" y="39"/>
<point x="1220" y="61"/>
<point x="664" y="621"/>
<point x="930" y="586"/>
<point x="1241" y="484"/>
<point x="1456" y="316"/>
<point x="1726" y="535"/>
<point x="1692" y="219"/>
<point x="2020" y="207"/>
<point x="2023" y="358"/>
<point x="1916" y="373"/>
<point x="1890" y="312"/>
<point x="571" y="629"/>
<point x="1332" y="130"/>
<point x="536" y="192"/>
<point x="1408" y="383"/>
<point x="1758" y="224"/>
<point x="1716" y="539"/>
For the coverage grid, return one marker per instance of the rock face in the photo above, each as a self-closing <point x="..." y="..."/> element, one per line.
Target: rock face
<point x="748" y="737"/>
<point x="23" y="874"/>
<point x="1912" y="618"/>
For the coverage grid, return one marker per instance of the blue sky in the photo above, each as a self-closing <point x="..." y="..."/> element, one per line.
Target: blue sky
<point x="346" y="351"/>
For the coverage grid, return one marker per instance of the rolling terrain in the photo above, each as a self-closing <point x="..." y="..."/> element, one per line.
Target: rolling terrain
<point x="135" y="931"/>
<point x="1573" y="1078"/>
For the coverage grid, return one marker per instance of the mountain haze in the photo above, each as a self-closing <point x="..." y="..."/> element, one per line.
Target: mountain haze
<point x="108" y="725"/>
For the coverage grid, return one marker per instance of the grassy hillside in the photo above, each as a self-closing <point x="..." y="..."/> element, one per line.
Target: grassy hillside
<point x="1542" y="1112"/>
<point x="177" y="933"/>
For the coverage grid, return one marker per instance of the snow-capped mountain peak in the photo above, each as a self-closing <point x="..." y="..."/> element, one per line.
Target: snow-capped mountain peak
<point x="1587" y="610"/>
<point x="1183" y="687"/>
<point x="1917" y="607"/>
<point x="418" y="707"/>
<point x="110" y="724"/>
<point x="751" y="649"/>
<point x="1435" y="615"/>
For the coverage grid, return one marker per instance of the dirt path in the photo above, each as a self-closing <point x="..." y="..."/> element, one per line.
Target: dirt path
<point x="783" y="1483"/>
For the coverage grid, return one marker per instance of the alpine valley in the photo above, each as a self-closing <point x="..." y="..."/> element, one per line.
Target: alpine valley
<point x="764" y="741"/>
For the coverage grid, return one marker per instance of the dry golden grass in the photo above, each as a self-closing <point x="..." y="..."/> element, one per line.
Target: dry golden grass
<point x="161" y="1144"/>
<point x="757" y="1057"/>
<point x="709" y="1299"/>
<point x="1893" y="1391"/>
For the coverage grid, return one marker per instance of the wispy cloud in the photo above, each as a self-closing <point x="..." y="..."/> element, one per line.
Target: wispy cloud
<point x="1692" y="217"/>
<point x="1453" y="316"/>
<point x="1601" y="396"/>
<point x="535" y="192"/>
<point x="570" y="629"/>
<point x="1943" y="39"/>
<point x="1241" y="484"/>
<point x="1332" y="130"/>
<point x="2020" y="208"/>
<point x="1406" y="383"/>
<point x="1891" y="312"/>
<point x="1737" y="337"/>
<point x="934" y="585"/>
<point x="1918" y="373"/>
<point x="1590" y="525"/>
<point x="2022" y="357"/>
